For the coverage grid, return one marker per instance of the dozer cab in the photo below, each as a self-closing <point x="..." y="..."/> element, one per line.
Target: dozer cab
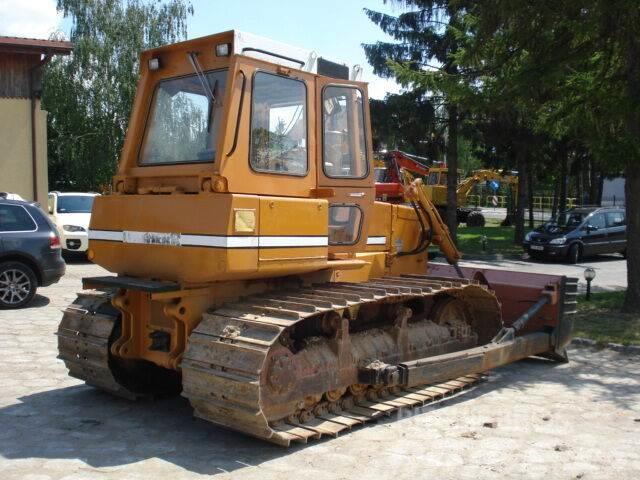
<point x="256" y="274"/>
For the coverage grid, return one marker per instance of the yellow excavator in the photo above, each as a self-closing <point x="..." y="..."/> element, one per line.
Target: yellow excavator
<point x="254" y="272"/>
<point x="436" y="188"/>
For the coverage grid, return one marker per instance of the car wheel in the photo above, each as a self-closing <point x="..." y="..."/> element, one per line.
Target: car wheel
<point x="18" y="284"/>
<point x="574" y="253"/>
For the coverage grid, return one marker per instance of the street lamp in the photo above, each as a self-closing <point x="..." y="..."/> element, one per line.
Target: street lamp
<point x="589" y="275"/>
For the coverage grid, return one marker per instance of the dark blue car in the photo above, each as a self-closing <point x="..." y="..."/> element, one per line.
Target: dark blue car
<point x="581" y="232"/>
<point x="29" y="252"/>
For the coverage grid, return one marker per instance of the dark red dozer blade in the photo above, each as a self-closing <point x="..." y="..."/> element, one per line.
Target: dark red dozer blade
<point x="518" y="291"/>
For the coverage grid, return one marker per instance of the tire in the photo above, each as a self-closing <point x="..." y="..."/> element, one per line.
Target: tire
<point x="574" y="254"/>
<point x="18" y="284"/>
<point x="475" y="219"/>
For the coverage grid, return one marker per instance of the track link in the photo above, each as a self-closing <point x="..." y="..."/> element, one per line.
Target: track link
<point x="224" y="366"/>
<point x="83" y="342"/>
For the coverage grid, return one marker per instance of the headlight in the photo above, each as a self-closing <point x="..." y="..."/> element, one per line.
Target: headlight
<point x="557" y="241"/>
<point x="73" y="228"/>
<point x="527" y="237"/>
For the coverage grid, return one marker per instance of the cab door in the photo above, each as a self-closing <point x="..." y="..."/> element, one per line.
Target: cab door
<point x="345" y="155"/>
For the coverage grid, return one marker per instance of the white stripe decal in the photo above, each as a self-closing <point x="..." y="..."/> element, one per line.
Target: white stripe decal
<point x="105" y="235"/>
<point x="294" y="241"/>
<point x="376" y="240"/>
<point x="216" y="241"/>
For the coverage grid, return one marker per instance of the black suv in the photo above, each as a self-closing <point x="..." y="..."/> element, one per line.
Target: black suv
<point x="29" y="252"/>
<point x="582" y="232"/>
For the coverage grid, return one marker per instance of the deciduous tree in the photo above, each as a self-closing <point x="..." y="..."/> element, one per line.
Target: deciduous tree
<point x="89" y="95"/>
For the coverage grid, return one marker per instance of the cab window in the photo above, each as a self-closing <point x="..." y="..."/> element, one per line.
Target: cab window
<point x="185" y="119"/>
<point x="344" y="224"/>
<point x="344" y="142"/>
<point x="278" y="125"/>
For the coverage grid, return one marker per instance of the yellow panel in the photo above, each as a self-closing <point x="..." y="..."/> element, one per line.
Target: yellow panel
<point x="300" y="226"/>
<point x="208" y="248"/>
<point x="380" y="228"/>
<point x="406" y="229"/>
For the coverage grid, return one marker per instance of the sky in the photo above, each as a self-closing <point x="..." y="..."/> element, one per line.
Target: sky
<point x="335" y="29"/>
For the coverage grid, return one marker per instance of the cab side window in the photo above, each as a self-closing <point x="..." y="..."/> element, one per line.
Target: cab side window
<point x="344" y="224"/>
<point x="278" y="125"/>
<point x="344" y="143"/>
<point x="615" y="219"/>
<point x="597" y="221"/>
<point x="14" y="218"/>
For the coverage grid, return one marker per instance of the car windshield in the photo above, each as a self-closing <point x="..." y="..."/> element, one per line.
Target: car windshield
<point x="563" y="223"/>
<point x="75" y="203"/>
<point x="184" y="121"/>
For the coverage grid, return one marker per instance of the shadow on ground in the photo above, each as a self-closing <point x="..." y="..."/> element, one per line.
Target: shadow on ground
<point x="82" y="423"/>
<point x="38" y="301"/>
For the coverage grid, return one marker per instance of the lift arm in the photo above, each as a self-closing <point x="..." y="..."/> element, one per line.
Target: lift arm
<point x="414" y="192"/>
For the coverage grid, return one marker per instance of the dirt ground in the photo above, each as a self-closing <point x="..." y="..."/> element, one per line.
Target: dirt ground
<point x="532" y="419"/>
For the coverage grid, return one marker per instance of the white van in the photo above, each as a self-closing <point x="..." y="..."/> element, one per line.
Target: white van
<point x="71" y="212"/>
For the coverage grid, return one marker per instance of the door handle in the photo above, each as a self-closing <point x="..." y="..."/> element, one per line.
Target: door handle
<point x="357" y="194"/>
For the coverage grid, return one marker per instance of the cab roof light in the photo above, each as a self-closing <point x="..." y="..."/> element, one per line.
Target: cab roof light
<point x="223" y="49"/>
<point x="154" y="63"/>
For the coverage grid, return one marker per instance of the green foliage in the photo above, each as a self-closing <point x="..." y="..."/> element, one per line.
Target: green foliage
<point x="602" y="319"/>
<point x="499" y="240"/>
<point x="407" y="122"/>
<point x="89" y="95"/>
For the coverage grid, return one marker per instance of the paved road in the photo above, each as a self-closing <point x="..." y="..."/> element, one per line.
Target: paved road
<point x="611" y="270"/>
<point x="577" y="420"/>
<point x="501" y="213"/>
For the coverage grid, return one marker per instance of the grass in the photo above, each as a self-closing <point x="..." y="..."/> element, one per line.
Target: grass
<point x="601" y="319"/>
<point x="499" y="240"/>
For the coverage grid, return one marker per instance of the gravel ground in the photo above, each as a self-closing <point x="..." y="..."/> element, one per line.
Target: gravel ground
<point x="532" y="419"/>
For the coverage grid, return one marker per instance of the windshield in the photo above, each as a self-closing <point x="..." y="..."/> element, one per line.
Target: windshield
<point x="184" y="122"/>
<point x="563" y="223"/>
<point x="75" y="203"/>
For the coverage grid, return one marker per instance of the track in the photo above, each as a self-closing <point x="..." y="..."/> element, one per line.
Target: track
<point x="83" y="342"/>
<point x="245" y="370"/>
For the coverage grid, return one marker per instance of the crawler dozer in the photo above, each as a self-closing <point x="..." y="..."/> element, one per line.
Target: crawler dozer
<point x="256" y="274"/>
